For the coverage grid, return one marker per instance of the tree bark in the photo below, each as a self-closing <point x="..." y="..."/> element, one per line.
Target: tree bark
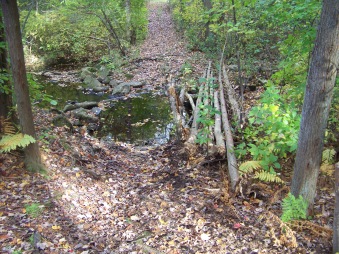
<point x="5" y="98"/>
<point x="317" y="100"/>
<point x="219" y="139"/>
<point x="231" y="159"/>
<point x="231" y="95"/>
<point x="13" y="36"/>
<point x="336" y="212"/>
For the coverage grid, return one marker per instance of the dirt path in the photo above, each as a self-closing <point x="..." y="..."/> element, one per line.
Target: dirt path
<point x="164" y="52"/>
<point x="105" y="197"/>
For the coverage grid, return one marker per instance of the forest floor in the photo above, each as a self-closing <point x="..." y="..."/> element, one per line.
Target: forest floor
<point x="105" y="197"/>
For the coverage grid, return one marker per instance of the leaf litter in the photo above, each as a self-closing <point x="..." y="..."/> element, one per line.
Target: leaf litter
<point x="106" y="197"/>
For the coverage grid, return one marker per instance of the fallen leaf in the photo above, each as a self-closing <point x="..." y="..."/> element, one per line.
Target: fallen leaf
<point x="205" y="237"/>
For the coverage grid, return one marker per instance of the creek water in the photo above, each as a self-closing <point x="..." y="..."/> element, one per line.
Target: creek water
<point x="140" y="119"/>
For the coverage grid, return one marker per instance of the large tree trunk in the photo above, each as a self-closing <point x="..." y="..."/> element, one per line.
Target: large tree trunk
<point x="317" y="100"/>
<point x="5" y="98"/>
<point x="13" y="36"/>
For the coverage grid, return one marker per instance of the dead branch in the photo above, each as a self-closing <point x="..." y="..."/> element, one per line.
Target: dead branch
<point x="175" y="107"/>
<point x="194" y="127"/>
<point x="231" y="95"/>
<point x="190" y="99"/>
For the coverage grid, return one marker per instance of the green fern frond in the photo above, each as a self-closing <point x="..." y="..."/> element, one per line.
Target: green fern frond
<point x="11" y="142"/>
<point x="294" y="208"/>
<point x="328" y="156"/>
<point x="267" y="177"/>
<point x="249" y="167"/>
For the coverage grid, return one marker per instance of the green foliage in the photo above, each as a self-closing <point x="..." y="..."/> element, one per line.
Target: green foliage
<point x="267" y="177"/>
<point x="328" y="156"/>
<point x="34" y="209"/>
<point x="206" y="115"/>
<point x="272" y="132"/>
<point x="79" y="30"/>
<point x="294" y="208"/>
<point x="37" y="92"/>
<point x="188" y="15"/>
<point x="12" y="142"/>
<point x="17" y="252"/>
<point x="249" y="167"/>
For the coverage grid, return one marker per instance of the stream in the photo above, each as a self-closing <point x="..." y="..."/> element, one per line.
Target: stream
<point x="143" y="118"/>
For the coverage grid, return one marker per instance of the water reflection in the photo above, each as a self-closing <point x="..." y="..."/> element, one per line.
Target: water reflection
<point x="143" y="119"/>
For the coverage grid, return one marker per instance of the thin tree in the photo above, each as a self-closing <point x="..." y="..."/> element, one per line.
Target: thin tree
<point x="317" y="100"/>
<point x="16" y="54"/>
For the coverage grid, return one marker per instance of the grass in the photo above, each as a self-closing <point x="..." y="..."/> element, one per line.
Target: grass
<point x="34" y="210"/>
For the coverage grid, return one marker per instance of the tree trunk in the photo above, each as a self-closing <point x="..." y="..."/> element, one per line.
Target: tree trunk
<point x="129" y="31"/>
<point x="108" y="24"/>
<point x="317" y="100"/>
<point x="5" y="98"/>
<point x="336" y="212"/>
<point x="13" y="36"/>
<point x="208" y="6"/>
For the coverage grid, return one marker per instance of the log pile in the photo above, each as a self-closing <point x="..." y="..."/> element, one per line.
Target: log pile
<point x="208" y="124"/>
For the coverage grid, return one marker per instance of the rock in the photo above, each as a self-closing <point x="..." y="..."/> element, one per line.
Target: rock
<point x="135" y="84"/>
<point x="84" y="115"/>
<point x="99" y="89"/>
<point x="91" y="82"/>
<point x="123" y="88"/>
<point x="113" y="83"/>
<point x="87" y="72"/>
<point x="103" y="73"/>
<point x="106" y="80"/>
<point x="96" y="110"/>
<point x="86" y="104"/>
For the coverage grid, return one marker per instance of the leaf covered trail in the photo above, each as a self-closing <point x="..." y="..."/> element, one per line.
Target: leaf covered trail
<point x="106" y="197"/>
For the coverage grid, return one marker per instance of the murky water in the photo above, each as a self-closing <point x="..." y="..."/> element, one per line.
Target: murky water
<point x="142" y="119"/>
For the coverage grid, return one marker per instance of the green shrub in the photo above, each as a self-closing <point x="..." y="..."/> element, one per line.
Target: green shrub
<point x="272" y="132"/>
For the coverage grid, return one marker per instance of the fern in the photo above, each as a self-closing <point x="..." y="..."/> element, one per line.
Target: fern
<point x="328" y="156"/>
<point x="267" y="177"/>
<point x="294" y="208"/>
<point x="11" y="142"/>
<point x="6" y="127"/>
<point x="249" y="167"/>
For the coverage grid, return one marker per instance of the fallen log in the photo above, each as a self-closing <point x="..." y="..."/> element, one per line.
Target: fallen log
<point x="231" y="96"/>
<point x="219" y="139"/>
<point x="231" y="159"/>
